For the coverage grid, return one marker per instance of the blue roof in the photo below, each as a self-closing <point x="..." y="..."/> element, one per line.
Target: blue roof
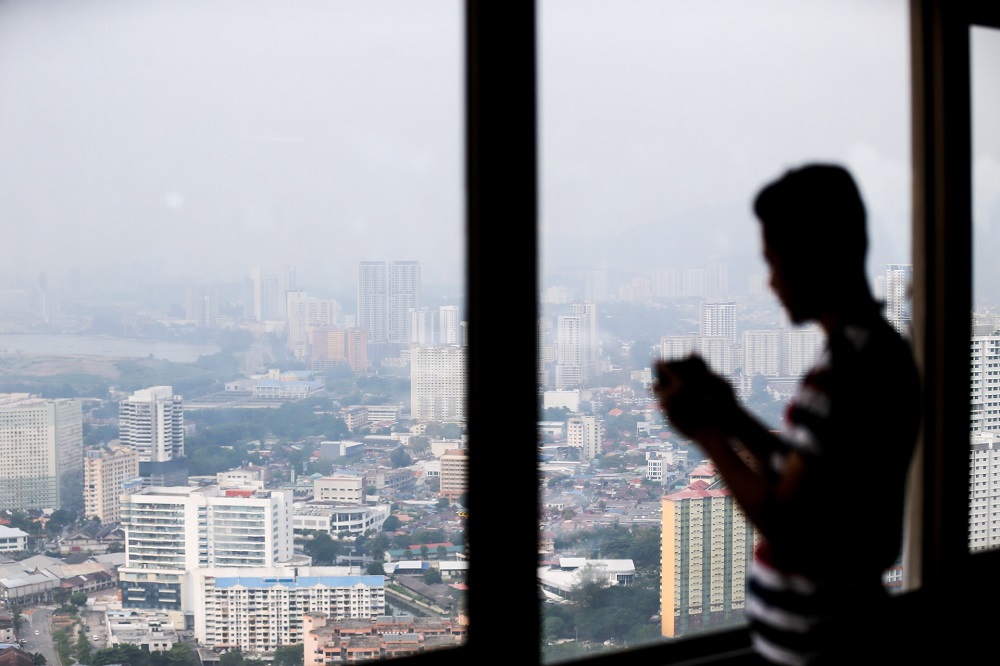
<point x="303" y="581"/>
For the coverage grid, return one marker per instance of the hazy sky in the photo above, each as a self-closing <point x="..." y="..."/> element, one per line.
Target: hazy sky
<point x="204" y="137"/>
<point x="675" y="113"/>
<point x="208" y="136"/>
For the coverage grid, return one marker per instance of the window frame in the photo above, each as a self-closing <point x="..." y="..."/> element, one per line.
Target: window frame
<point x="502" y="236"/>
<point x="953" y="586"/>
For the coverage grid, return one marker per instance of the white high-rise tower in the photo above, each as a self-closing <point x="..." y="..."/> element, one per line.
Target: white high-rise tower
<point x="151" y="421"/>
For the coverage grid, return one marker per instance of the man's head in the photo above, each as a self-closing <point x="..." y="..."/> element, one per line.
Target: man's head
<point x="815" y="239"/>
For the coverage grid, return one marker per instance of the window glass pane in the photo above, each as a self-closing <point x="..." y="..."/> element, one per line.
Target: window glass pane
<point x="231" y="292"/>
<point x="659" y="122"/>
<point x="984" y="461"/>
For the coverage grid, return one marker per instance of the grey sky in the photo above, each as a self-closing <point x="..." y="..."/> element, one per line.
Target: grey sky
<point x="204" y="137"/>
<point x="675" y="113"/>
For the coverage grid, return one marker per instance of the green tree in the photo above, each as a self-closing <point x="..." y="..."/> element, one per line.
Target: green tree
<point x="424" y="550"/>
<point x="38" y="659"/>
<point x="84" y="651"/>
<point x="123" y="653"/>
<point x="289" y="655"/>
<point x="322" y="549"/>
<point x="15" y="610"/>
<point x="376" y="568"/>
<point x="432" y="576"/>
<point x="420" y="444"/>
<point x="59" y="519"/>
<point x="182" y="654"/>
<point x="79" y="598"/>
<point x="391" y="524"/>
<point x="400" y="458"/>
<point x="442" y="552"/>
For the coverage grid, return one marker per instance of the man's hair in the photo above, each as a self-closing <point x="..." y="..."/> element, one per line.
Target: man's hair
<point x="814" y="213"/>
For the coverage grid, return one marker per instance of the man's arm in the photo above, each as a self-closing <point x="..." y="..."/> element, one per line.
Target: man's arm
<point x="702" y="406"/>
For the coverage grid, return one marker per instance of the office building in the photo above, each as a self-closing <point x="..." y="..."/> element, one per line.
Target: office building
<point x="437" y="382"/>
<point x="107" y="475"/>
<point x="151" y="421"/>
<point x="341" y="489"/>
<point x="41" y="453"/>
<point x="707" y="551"/>
<point x="173" y="530"/>
<point x="337" y="517"/>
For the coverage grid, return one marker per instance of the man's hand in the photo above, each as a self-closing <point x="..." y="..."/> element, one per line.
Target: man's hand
<point x="694" y="398"/>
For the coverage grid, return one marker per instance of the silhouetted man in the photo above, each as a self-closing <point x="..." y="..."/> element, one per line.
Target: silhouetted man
<point x="826" y="494"/>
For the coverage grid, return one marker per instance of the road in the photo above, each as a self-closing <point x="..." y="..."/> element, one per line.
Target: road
<point x="33" y="620"/>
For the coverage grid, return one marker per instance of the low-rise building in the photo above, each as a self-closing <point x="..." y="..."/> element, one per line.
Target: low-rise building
<point x="12" y="539"/>
<point x="263" y="609"/>
<point x="328" y="640"/>
<point x="336" y="518"/>
<point x="558" y="580"/>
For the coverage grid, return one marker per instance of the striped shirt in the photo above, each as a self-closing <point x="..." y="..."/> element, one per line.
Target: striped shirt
<point x="805" y="598"/>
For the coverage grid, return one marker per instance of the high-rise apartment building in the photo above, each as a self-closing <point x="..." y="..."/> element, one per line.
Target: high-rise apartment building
<point x="762" y="353"/>
<point x="674" y="347"/>
<point x="330" y="347"/>
<point x="421" y="324"/>
<point x="107" y="475"/>
<point x="707" y="551"/>
<point x="984" y="491"/>
<point x="454" y="473"/>
<point x="985" y="380"/>
<point x="151" y="421"/>
<point x="404" y="294"/>
<point x="437" y="382"/>
<point x="41" y="453"/>
<point x="898" y="304"/>
<point x="718" y="319"/>
<point x="202" y="305"/>
<point x="577" y="346"/>
<point x="303" y="315"/>
<point x="585" y="433"/>
<point x="173" y="530"/>
<point x="448" y="325"/>
<point x="803" y="347"/>
<point x="386" y="292"/>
